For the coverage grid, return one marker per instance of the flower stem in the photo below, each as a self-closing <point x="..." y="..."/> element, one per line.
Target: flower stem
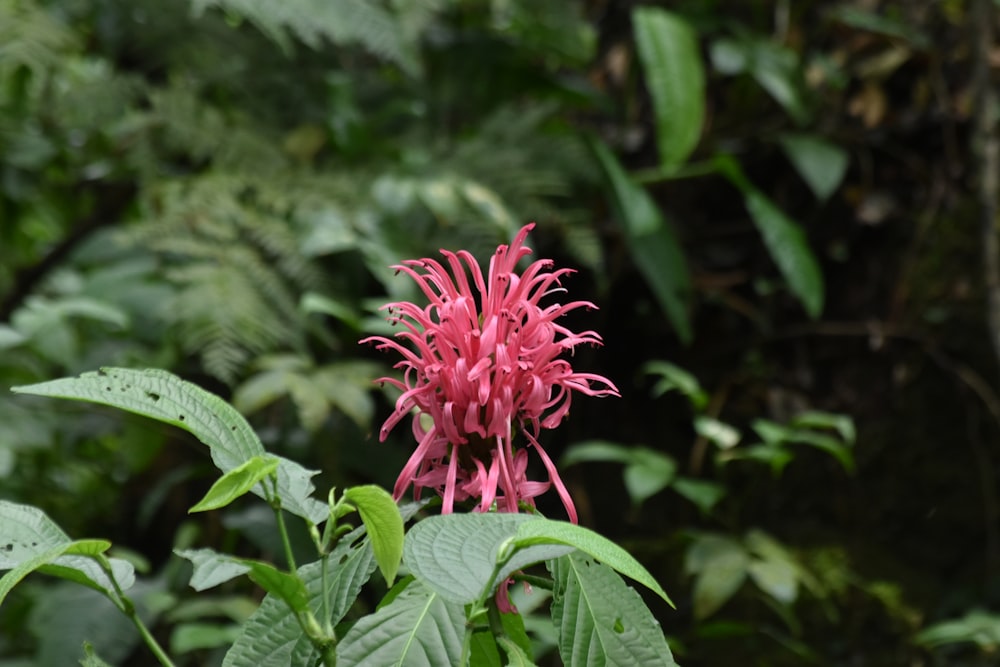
<point x="127" y="607"/>
<point x="150" y="640"/>
<point x="275" y="502"/>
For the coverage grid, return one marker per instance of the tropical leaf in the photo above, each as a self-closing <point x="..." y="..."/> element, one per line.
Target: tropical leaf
<point x="419" y="628"/>
<point x="652" y="242"/>
<point x="601" y="621"/>
<point x="671" y="58"/>
<point x="165" y="397"/>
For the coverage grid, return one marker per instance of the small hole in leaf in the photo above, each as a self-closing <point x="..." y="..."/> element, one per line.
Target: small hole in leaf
<point x="153" y="395"/>
<point x="619" y="628"/>
<point x="181" y="417"/>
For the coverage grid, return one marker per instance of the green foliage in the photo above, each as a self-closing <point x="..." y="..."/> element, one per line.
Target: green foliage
<point x="218" y="188"/>
<point x="598" y="619"/>
<point x="167" y="398"/>
<point x="671" y="58"/>
<point x="419" y="627"/>
<point x="383" y="523"/>
<point x="653" y="243"/>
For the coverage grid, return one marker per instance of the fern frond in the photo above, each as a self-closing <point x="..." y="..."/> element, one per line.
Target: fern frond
<point x="31" y="37"/>
<point x="361" y="22"/>
<point x="236" y="264"/>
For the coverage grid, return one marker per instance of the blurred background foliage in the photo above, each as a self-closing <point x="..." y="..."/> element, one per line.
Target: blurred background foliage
<point x="773" y="203"/>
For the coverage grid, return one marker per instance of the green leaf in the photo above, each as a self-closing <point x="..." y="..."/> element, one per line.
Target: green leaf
<point x="212" y="568"/>
<point x="516" y="655"/>
<point x="31" y="541"/>
<point x="187" y="637"/>
<point x="90" y="658"/>
<point x="777" y="434"/>
<point x="166" y="398"/>
<point x="454" y="554"/>
<point x="601" y="620"/>
<point x="236" y="483"/>
<point x="842" y="424"/>
<point x="821" y="164"/>
<point x="26" y="567"/>
<point x="547" y="531"/>
<point x="91" y="571"/>
<point x="67" y="615"/>
<point x="671" y="58"/>
<point x="977" y="626"/>
<point x="272" y="637"/>
<point x="720" y="564"/>
<point x="648" y="473"/>
<point x="785" y="240"/>
<point x="675" y="378"/>
<point x="652" y="242"/>
<point x="702" y="493"/>
<point x="776" y="578"/>
<point x="596" y="450"/>
<point x="289" y="587"/>
<point x="775" y="68"/>
<point x="717" y="432"/>
<point x="418" y="628"/>
<point x="384" y="523"/>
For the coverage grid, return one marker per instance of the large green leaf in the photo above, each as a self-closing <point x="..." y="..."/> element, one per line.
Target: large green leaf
<point x="671" y="58"/>
<point x="652" y="242"/>
<point x="30" y="541"/>
<point x="455" y="554"/>
<point x="272" y="637"/>
<point x="419" y="628"/>
<point x="546" y="531"/>
<point x="785" y="240"/>
<point x="167" y="398"/>
<point x="384" y="523"/>
<point x="601" y="620"/>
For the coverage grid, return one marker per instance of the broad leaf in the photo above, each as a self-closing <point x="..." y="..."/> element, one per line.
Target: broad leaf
<point x="547" y="531"/>
<point x="720" y="565"/>
<point x="166" y="398"/>
<point x="454" y="554"/>
<point x="236" y="483"/>
<point x="30" y="541"/>
<point x="785" y="240"/>
<point x="417" y="629"/>
<point x="272" y="637"/>
<point x="671" y="59"/>
<point x="652" y="242"/>
<point x="601" y="620"/>
<point x="384" y="524"/>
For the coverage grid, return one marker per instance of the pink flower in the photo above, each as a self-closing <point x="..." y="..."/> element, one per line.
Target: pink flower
<point x="479" y="361"/>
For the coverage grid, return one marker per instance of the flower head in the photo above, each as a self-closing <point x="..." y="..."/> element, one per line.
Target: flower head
<point x="482" y="359"/>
